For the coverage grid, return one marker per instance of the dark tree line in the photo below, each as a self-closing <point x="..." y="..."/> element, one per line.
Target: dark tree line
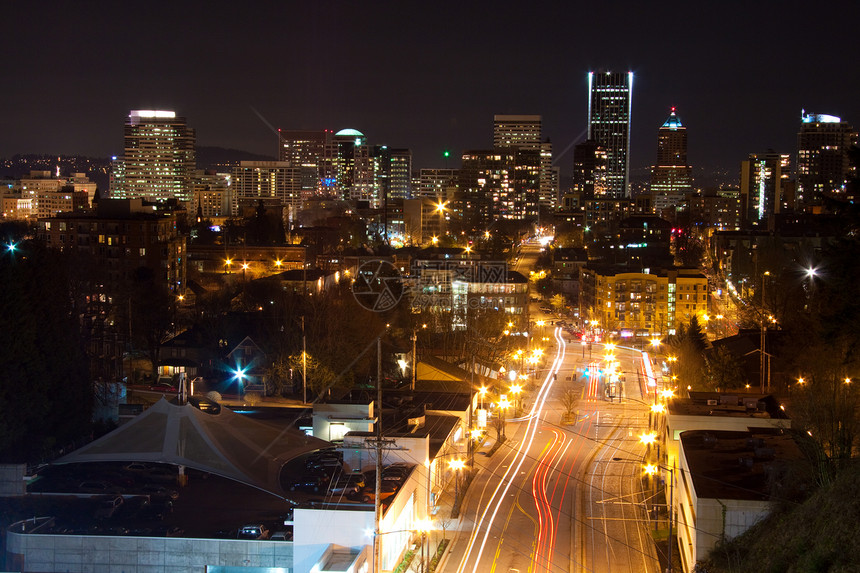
<point x="45" y="391"/>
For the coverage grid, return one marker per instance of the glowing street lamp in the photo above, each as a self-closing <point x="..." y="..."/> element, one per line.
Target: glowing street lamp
<point x="456" y="466"/>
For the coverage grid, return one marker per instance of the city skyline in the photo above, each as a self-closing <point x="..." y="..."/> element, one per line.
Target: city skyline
<point x="421" y="79"/>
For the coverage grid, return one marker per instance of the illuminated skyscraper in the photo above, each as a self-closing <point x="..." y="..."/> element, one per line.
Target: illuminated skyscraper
<point x="671" y="177"/>
<point x="822" y="157"/>
<point x="159" y="157"/>
<point x="520" y="131"/>
<point x="610" y="103"/>
<point x="764" y="177"/>
<point x="305" y="149"/>
<point x="523" y="132"/>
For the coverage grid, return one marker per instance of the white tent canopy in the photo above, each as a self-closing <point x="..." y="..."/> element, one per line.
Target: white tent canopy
<point x="225" y="444"/>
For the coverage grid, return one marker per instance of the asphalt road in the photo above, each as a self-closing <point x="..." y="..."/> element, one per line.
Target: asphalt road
<point x="563" y="493"/>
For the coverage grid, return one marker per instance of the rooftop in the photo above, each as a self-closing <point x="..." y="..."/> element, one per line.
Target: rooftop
<point x="741" y="404"/>
<point x="736" y="465"/>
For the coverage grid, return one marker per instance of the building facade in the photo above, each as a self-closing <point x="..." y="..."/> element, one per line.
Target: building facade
<point x="671" y="176"/>
<point x="643" y="304"/>
<point x="764" y="179"/>
<point x="610" y="105"/>
<point x="159" y="159"/>
<point x="269" y="180"/>
<point x="823" y="167"/>
<point x="122" y="236"/>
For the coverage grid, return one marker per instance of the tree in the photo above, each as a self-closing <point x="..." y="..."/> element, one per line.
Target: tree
<point x="689" y="345"/>
<point x="46" y="397"/>
<point x="724" y="370"/>
<point x="151" y="309"/>
<point x="558" y="303"/>
<point x="569" y="400"/>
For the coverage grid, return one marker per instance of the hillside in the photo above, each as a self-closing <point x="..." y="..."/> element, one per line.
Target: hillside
<point x="820" y="535"/>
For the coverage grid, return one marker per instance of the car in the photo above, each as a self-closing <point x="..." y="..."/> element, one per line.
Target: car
<point x="163" y="388"/>
<point x="108" y="506"/>
<point x="312" y="483"/>
<point x="253" y="531"/>
<point x="159" y="491"/>
<point x="285" y="535"/>
<point x="368" y="493"/>
<point x="97" y="487"/>
<point x="348" y="484"/>
<point x="138" y="467"/>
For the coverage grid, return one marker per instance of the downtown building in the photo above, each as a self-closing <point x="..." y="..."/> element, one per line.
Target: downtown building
<point x="121" y="236"/>
<point x="44" y="195"/>
<point x="671" y="177"/>
<point x="523" y="132"/>
<point x="497" y="184"/>
<point x="823" y="167"/>
<point x="158" y="161"/>
<point x="610" y="104"/>
<point x="765" y="187"/>
<point x="643" y="303"/>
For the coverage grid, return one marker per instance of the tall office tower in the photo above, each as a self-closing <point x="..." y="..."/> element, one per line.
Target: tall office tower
<point x="671" y="177"/>
<point x="397" y="173"/>
<point x="159" y="157"/>
<point x="305" y="149"/>
<point x="524" y="132"/>
<point x="822" y="157"/>
<point x="438" y="184"/>
<point x="610" y="103"/>
<point x="338" y="169"/>
<point x="520" y="131"/>
<point x="486" y="188"/>
<point x="589" y="169"/>
<point x="275" y="182"/>
<point x="764" y="178"/>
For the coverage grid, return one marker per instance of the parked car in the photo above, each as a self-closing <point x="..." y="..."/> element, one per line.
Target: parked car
<point x="108" y="506"/>
<point x="138" y="467"/>
<point x="368" y="493"/>
<point x="97" y="487"/>
<point x="159" y="491"/>
<point x="312" y="483"/>
<point x="348" y="484"/>
<point x="253" y="531"/>
<point x="285" y="535"/>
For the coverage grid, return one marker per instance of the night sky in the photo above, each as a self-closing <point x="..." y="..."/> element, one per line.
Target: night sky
<point x="423" y="75"/>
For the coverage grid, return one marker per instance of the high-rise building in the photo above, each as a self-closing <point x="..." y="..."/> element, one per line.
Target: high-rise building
<point x="275" y="182"/>
<point x="764" y="179"/>
<point x="159" y="157"/>
<point x="519" y="131"/>
<point x="671" y="177"/>
<point x="439" y="184"/>
<point x="524" y="132"/>
<point x="305" y="149"/>
<point x="589" y="169"/>
<point x="397" y="173"/>
<point x="822" y="157"/>
<point x="610" y="104"/>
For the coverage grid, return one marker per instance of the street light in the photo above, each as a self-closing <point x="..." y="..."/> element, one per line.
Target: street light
<point x="456" y="466"/>
<point x="651" y="470"/>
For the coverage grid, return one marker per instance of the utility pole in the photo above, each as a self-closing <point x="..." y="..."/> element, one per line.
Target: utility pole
<point x="377" y="506"/>
<point x="304" y="364"/>
<point x="414" y="357"/>
<point x="762" y="361"/>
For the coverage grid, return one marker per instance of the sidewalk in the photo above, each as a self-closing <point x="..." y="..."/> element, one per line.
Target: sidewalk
<point x="444" y="526"/>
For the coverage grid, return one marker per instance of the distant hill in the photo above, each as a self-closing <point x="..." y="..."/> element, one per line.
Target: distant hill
<point x="209" y="157"/>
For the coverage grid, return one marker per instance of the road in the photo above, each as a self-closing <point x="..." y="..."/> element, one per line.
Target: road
<point x="563" y="493"/>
